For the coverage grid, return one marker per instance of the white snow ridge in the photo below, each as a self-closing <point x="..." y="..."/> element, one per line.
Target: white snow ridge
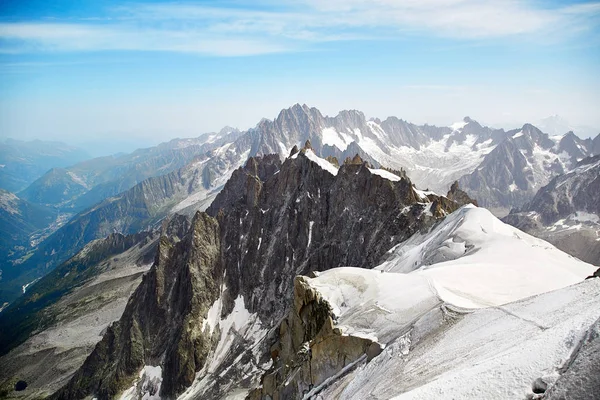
<point x="474" y="309"/>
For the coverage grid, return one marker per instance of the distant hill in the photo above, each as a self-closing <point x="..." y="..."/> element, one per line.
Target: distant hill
<point x="22" y="162"/>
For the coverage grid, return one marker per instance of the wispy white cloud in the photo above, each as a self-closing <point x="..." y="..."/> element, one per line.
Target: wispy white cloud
<point x="435" y="88"/>
<point x="83" y="37"/>
<point x="237" y="29"/>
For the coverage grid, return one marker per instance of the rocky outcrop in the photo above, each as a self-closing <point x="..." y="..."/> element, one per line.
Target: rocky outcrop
<point x="310" y="349"/>
<point x="527" y="159"/>
<point x="160" y="323"/>
<point x="271" y="222"/>
<point x="566" y="212"/>
<point x="574" y="191"/>
<point x="304" y="219"/>
<point x="459" y="196"/>
<point x="139" y="208"/>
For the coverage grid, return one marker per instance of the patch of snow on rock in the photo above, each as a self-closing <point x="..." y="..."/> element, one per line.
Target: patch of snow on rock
<point x="332" y="138"/>
<point x="321" y="162"/>
<point x="372" y="304"/>
<point x="385" y="174"/>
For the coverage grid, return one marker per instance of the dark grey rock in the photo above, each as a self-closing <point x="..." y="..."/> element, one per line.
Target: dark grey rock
<point x="271" y="222"/>
<point x="539" y="386"/>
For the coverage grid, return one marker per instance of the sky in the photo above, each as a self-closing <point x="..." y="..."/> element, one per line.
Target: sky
<point x="144" y="72"/>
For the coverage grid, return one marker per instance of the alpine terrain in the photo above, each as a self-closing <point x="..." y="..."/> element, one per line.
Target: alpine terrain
<point x="566" y="212"/>
<point x="309" y="257"/>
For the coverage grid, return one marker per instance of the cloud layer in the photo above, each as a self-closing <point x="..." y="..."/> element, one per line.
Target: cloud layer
<point x="239" y="29"/>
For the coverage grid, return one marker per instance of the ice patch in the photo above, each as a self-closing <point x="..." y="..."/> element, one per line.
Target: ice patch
<point x="371" y="304"/>
<point x="332" y="138"/>
<point x="324" y="164"/>
<point x="458" y="125"/>
<point x="424" y="193"/>
<point x="385" y="174"/>
<point x="147" y="387"/>
<point x="475" y="260"/>
<point x="213" y="315"/>
<point x="240" y="322"/>
<point x="582" y="216"/>
<point x="24" y="287"/>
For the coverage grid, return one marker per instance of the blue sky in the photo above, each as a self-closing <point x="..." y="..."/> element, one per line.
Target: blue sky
<point x="151" y="71"/>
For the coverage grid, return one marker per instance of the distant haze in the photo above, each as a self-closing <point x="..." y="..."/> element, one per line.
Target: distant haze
<point x="123" y="76"/>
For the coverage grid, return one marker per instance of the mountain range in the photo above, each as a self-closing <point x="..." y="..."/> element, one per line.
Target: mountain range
<point x="388" y="271"/>
<point x="22" y="162"/>
<point x="127" y="193"/>
<point x="566" y="212"/>
<point x="309" y="257"/>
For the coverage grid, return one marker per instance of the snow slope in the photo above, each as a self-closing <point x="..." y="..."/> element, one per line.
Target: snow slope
<point x="487" y="264"/>
<point x="492" y="353"/>
<point x="475" y="260"/>
<point x="434" y="165"/>
<point x="473" y="309"/>
<point x="374" y="304"/>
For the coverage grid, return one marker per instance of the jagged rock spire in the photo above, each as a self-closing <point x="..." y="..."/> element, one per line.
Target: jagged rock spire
<point x="356" y="160"/>
<point x="459" y="196"/>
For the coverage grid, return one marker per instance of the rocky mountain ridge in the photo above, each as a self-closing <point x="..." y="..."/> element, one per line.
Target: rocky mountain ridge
<point x="82" y="185"/>
<point x="505" y="168"/>
<point x="502" y="169"/>
<point x="22" y="162"/>
<point x="566" y="212"/>
<point x="50" y="330"/>
<point x="234" y="270"/>
<point x="511" y="174"/>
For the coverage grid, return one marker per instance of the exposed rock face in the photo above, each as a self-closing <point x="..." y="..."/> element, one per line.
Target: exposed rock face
<point x="459" y="196"/>
<point x="509" y="174"/>
<point x="577" y="149"/>
<point x="310" y="349"/>
<point x="566" y="212"/>
<point x="306" y="219"/>
<point x="160" y="322"/>
<point x="271" y="222"/>
<point x="526" y="160"/>
<point x="84" y="184"/>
